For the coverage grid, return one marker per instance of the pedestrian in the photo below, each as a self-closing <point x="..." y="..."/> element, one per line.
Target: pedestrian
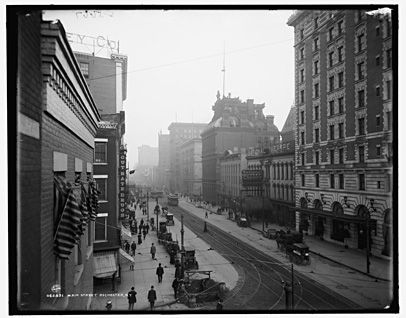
<point x="133" y="247"/>
<point x="152" y="297"/>
<point x="159" y="272"/>
<point x="139" y="238"/>
<point x="140" y="228"/>
<point x="219" y="306"/>
<point x="131" y="298"/>
<point x="142" y="222"/>
<point x="175" y="285"/>
<point x="153" y="250"/>
<point x="109" y="305"/>
<point x="144" y="232"/>
<point x="206" y="215"/>
<point x="147" y="227"/>
<point x="127" y="247"/>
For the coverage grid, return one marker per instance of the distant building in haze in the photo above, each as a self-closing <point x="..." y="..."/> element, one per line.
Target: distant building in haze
<point x="191" y="167"/>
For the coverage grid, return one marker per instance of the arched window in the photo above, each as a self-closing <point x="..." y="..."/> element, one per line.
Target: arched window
<point x="318" y="205"/>
<point x="337" y="209"/>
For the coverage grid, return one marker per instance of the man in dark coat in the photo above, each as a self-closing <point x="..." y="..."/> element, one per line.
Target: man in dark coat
<point x="160" y="272"/>
<point x="144" y="232"/>
<point x="139" y="238"/>
<point x="153" y="251"/>
<point x="152" y="297"/>
<point x="175" y="285"/>
<point x="131" y="298"/>
<point x="133" y="247"/>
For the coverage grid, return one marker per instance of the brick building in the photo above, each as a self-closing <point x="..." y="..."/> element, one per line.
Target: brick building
<point x="343" y="80"/>
<point x="191" y="171"/>
<point x="178" y="134"/>
<point x="234" y="124"/>
<point x="57" y="123"/>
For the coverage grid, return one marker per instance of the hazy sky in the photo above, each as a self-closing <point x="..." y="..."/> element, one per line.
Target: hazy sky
<point x="175" y="60"/>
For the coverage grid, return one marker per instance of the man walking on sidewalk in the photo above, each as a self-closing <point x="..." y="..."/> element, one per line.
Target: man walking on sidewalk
<point x="133" y="247"/>
<point x="153" y="250"/>
<point x="131" y="298"/>
<point x="206" y="215"/>
<point x="159" y="272"/>
<point x="152" y="297"/>
<point x="175" y="285"/>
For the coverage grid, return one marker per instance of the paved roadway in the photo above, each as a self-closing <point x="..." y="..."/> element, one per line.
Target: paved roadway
<point x="260" y="286"/>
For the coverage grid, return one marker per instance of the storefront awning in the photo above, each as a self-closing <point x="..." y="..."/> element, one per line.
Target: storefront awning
<point x="342" y="217"/>
<point x="104" y="265"/>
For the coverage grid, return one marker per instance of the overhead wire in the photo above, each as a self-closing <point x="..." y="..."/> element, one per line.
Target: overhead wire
<point x="191" y="60"/>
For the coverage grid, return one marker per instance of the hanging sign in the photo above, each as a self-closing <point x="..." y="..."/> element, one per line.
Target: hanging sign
<point x="122" y="181"/>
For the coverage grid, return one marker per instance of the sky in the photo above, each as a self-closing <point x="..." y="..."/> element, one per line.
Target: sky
<point x="175" y="60"/>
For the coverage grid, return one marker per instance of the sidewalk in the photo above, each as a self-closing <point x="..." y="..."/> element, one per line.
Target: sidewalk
<point x="144" y="274"/>
<point x="342" y="270"/>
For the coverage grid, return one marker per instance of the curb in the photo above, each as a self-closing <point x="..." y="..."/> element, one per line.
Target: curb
<point x="334" y="261"/>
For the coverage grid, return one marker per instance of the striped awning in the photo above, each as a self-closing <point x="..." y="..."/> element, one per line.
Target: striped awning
<point x="104" y="265"/>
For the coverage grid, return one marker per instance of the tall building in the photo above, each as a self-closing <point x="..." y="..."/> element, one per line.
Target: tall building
<point x="146" y="168"/>
<point x="343" y="80"/>
<point x="106" y="78"/>
<point x="234" y="124"/>
<point x="57" y="124"/>
<point x="191" y="171"/>
<point x="163" y="161"/>
<point x="178" y="134"/>
<point x="147" y="156"/>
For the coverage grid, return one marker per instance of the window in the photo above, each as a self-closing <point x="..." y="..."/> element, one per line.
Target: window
<point x="100" y="152"/>
<point x="361" y="98"/>
<point x="100" y="233"/>
<point x="316" y="135"/>
<point x="378" y="184"/>
<point x="360" y="68"/>
<point x="302" y="75"/>
<point x="389" y="58"/>
<point x="316" y="67"/>
<point x="316" y="155"/>
<point x="316" y="22"/>
<point x="84" y="68"/>
<point x="378" y="90"/>
<point x="340" y="27"/>
<point x="302" y="137"/>
<point x="316" y="112"/>
<point x="361" y="153"/>
<point x="341" y="155"/>
<point x="340" y="54"/>
<point x="316" y="44"/>
<point x="360" y="41"/>
<point x="302" y="53"/>
<point x="331" y="59"/>
<point x="317" y="180"/>
<point x="361" y="126"/>
<point x="361" y="181"/>
<point x="332" y="156"/>
<point x="341" y="79"/>
<point x="302" y="96"/>
<point x="377" y="30"/>
<point x="389" y="120"/>
<point x="378" y="121"/>
<point x="301" y="34"/>
<point x="341" y="105"/>
<point x="332" y="181"/>
<point x="388" y="89"/>
<point x="302" y="117"/>
<point x="316" y="90"/>
<point x="331" y="83"/>
<point x="331" y="33"/>
<point x="341" y="180"/>
<point x="341" y="130"/>
<point x="303" y="159"/>
<point x="102" y="187"/>
<point x="378" y="150"/>
<point x="331" y="132"/>
<point x="378" y="60"/>
<point x="303" y="180"/>
<point x="331" y="107"/>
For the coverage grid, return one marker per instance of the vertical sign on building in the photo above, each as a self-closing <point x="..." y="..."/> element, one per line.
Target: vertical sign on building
<point x="122" y="176"/>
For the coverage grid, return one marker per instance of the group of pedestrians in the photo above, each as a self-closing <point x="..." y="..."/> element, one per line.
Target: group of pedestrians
<point x="132" y="299"/>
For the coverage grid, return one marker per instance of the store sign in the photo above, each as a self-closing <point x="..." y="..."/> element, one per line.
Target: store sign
<point x="122" y="183"/>
<point x="107" y="125"/>
<point x="252" y="177"/>
<point x="100" y="42"/>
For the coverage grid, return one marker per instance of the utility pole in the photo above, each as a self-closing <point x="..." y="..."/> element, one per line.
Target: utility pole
<point x="147" y="206"/>
<point x="293" y="291"/>
<point x="182" y="253"/>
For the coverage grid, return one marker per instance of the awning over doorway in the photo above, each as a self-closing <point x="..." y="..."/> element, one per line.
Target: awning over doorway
<point x="104" y="265"/>
<point x="342" y="217"/>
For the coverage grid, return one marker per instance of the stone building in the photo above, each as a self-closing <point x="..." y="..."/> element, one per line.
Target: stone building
<point x="234" y="124"/>
<point x="191" y="171"/>
<point x="163" y="161"/>
<point x="57" y="124"/>
<point x="343" y="97"/>
<point x="178" y="134"/>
